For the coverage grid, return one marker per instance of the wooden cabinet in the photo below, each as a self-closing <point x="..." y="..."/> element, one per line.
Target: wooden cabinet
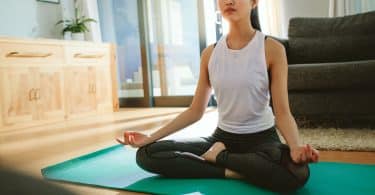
<point x="47" y="81"/>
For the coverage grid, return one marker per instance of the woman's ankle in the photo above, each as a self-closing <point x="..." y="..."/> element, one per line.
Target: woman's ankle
<point x="212" y="153"/>
<point x="232" y="174"/>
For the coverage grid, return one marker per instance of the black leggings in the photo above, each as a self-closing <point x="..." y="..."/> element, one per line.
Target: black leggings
<point x="260" y="157"/>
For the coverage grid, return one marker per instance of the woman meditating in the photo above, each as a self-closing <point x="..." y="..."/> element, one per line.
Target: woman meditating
<point x="245" y="144"/>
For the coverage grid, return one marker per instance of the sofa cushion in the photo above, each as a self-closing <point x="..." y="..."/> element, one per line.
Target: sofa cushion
<point x="339" y="39"/>
<point x="340" y="75"/>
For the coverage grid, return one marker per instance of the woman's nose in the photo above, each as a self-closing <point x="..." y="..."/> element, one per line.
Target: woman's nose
<point x="228" y="2"/>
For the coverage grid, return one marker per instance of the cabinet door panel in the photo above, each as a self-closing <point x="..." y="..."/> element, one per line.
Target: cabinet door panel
<point x="17" y="94"/>
<point x="80" y="96"/>
<point x="50" y="104"/>
<point x="104" y="90"/>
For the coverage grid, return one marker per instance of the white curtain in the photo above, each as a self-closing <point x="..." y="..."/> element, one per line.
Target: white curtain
<point x="90" y="9"/>
<point x="348" y="7"/>
<point x="270" y="17"/>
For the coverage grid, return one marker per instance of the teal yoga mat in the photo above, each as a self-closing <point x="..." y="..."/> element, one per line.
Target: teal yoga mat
<point x="115" y="168"/>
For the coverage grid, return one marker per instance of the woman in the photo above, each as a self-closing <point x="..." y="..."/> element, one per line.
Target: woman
<point x="245" y="144"/>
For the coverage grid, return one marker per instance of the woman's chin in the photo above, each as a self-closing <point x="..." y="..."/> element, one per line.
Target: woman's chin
<point x="233" y="19"/>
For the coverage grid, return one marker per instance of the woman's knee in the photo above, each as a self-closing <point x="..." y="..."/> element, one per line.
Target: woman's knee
<point x="294" y="182"/>
<point x="291" y="176"/>
<point x="299" y="173"/>
<point x="143" y="159"/>
<point x="152" y="157"/>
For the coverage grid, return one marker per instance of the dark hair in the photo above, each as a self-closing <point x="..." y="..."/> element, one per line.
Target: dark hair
<point x="254" y="18"/>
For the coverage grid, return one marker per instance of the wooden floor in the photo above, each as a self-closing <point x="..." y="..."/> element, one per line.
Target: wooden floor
<point x="30" y="149"/>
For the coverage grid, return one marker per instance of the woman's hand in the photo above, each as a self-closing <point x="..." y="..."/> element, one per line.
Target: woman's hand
<point x="134" y="139"/>
<point x="304" y="154"/>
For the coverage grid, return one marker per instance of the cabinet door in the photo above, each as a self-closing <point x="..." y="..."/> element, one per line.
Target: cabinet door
<point x="103" y="89"/>
<point x="17" y="92"/>
<point x="49" y="101"/>
<point x="79" y="91"/>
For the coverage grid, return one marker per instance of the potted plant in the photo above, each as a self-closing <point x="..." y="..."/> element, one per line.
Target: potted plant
<point x="76" y="26"/>
<point x="67" y="32"/>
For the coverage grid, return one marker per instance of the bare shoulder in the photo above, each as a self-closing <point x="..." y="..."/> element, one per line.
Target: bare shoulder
<point x="273" y="45"/>
<point x="275" y="51"/>
<point x="206" y="53"/>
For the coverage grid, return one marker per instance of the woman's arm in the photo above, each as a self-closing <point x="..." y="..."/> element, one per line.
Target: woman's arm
<point x="278" y="65"/>
<point x="186" y="118"/>
<point x="197" y="107"/>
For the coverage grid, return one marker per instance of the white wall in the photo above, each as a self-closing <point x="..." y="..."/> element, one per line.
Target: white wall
<point x="302" y="8"/>
<point x="29" y="18"/>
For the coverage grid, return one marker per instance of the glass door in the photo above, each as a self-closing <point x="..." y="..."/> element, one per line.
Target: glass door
<point x="121" y="22"/>
<point x="174" y="47"/>
<point x="159" y="43"/>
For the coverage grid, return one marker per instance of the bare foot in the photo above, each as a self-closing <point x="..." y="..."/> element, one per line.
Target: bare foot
<point x="210" y="154"/>
<point x="232" y="174"/>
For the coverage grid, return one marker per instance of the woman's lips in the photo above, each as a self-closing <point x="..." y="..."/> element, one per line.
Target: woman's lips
<point x="229" y="10"/>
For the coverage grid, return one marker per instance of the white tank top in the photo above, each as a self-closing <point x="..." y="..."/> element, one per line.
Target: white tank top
<point x="240" y="82"/>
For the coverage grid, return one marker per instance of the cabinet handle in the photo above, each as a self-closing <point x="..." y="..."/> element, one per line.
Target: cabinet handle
<point x="37" y="94"/>
<point x="16" y="54"/>
<point x="88" y="56"/>
<point x="31" y="94"/>
<point x="90" y="88"/>
<point x="94" y="88"/>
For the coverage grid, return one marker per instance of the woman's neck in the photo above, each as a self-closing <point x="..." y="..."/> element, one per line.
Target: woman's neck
<point x="240" y="33"/>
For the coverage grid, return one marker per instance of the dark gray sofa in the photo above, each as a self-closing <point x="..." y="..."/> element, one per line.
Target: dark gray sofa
<point x="331" y="76"/>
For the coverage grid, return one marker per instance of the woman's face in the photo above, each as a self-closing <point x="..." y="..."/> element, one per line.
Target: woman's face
<point x="235" y="10"/>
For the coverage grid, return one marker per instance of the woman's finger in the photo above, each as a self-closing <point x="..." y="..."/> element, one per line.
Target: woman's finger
<point x="315" y="155"/>
<point x="315" y="151"/>
<point x="119" y="140"/>
<point x="303" y="156"/>
<point x="309" y="153"/>
<point x="315" y="158"/>
<point x="126" y="137"/>
<point x="131" y="139"/>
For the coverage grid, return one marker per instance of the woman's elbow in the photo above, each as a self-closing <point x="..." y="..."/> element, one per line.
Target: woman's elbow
<point x="196" y="114"/>
<point x="282" y="114"/>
